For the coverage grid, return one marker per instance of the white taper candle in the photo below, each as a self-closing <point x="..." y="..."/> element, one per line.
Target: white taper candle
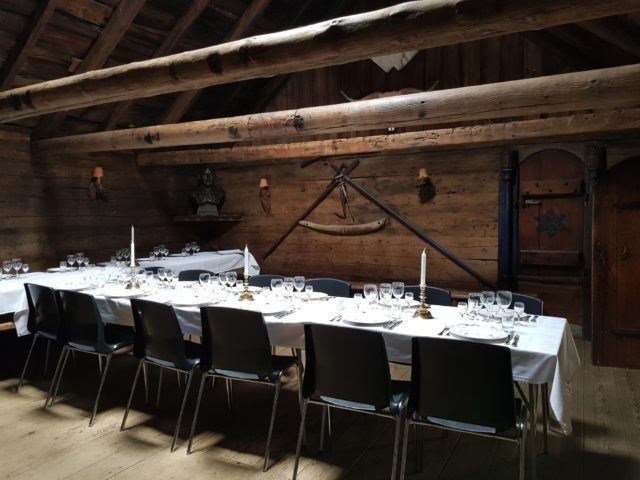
<point x="246" y="260"/>
<point x="423" y="268"/>
<point x="133" y="248"/>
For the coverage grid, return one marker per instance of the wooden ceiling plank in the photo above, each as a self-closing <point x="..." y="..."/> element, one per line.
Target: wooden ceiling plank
<point x="26" y="42"/>
<point x="596" y="89"/>
<point x="185" y="100"/>
<point x="615" y="32"/>
<point x="407" y="26"/>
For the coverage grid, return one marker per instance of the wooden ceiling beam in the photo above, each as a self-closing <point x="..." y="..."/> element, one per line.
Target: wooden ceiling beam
<point x="166" y="47"/>
<point x="606" y="88"/>
<point x="571" y="127"/>
<point x="21" y="51"/>
<point x="407" y="26"/>
<point x="116" y="27"/>
<point x="184" y="100"/>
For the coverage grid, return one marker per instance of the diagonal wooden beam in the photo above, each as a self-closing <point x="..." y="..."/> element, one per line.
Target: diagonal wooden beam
<point x="407" y="26"/>
<point x="26" y="42"/>
<point x="595" y="89"/>
<point x="615" y="32"/>
<point x="576" y="126"/>
<point x="117" y="25"/>
<point x="165" y="48"/>
<point x="184" y="100"/>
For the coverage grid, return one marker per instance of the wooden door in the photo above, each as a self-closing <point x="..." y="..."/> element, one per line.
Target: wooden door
<point x="551" y="231"/>
<point x="616" y="266"/>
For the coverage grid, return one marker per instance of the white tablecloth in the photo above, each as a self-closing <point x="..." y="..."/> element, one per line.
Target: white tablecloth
<point x="215" y="262"/>
<point x="546" y="353"/>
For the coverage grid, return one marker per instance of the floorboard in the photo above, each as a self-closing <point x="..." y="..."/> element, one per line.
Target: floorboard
<point x="58" y="443"/>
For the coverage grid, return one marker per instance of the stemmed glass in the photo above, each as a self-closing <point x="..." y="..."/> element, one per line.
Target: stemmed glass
<point x="518" y="308"/>
<point x="298" y="283"/>
<point x="203" y="280"/>
<point x="162" y="276"/>
<point x="474" y="302"/>
<point x="276" y="286"/>
<point x="231" y="278"/>
<point x="462" y="309"/>
<point x="308" y="289"/>
<point x="385" y="293"/>
<point x="488" y="298"/>
<point x="397" y="289"/>
<point x="370" y="293"/>
<point x="25" y="268"/>
<point x="156" y="252"/>
<point x="169" y="273"/>
<point x="80" y="259"/>
<point x="71" y="259"/>
<point x="197" y="248"/>
<point x="165" y="251"/>
<point x="7" y="265"/>
<point x="17" y="265"/>
<point x="288" y="283"/>
<point x="408" y="297"/>
<point x="504" y="299"/>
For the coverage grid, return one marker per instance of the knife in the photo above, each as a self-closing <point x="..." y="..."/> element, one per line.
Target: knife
<point x="509" y="337"/>
<point x="516" y="339"/>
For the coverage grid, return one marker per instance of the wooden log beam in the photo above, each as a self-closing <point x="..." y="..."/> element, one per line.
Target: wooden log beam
<point x="166" y="47"/>
<point x="26" y="42"/>
<point x="615" y="32"/>
<point x="116" y="27"/>
<point x="571" y="127"/>
<point x="407" y="26"/>
<point x="184" y="100"/>
<point x="606" y="88"/>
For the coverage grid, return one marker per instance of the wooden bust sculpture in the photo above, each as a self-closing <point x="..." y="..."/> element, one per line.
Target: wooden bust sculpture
<point x="207" y="197"/>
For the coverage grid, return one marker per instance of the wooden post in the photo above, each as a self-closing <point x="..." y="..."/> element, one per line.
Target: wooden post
<point x="597" y="89"/>
<point x="506" y="205"/>
<point x="408" y="26"/>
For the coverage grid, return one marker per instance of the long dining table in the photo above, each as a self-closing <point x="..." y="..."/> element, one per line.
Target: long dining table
<point x="545" y="354"/>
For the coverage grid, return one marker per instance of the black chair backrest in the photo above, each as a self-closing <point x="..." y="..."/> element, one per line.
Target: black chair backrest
<point x="153" y="269"/>
<point x="263" y="280"/>
<point x="532" y="305"/>
<point x="435" y="295"/>
<point x="81" y="322"/>
<point x="158" y="333"/>
<point x="331" y="286"/>
<point x="191" y="275"/>
<point x="235" y="340"/>
<point x="463" y="382"/>
<point x="348" y="364"/>
<point x="44" y="314"/>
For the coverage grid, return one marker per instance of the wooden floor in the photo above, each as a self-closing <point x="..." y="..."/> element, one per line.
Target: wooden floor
<point x="58" y="443"/>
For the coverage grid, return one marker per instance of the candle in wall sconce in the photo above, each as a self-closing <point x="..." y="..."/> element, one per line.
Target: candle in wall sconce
<point x="265" y="195"/>
<point x="426" y="188"/>
<point x="96" y="190"/>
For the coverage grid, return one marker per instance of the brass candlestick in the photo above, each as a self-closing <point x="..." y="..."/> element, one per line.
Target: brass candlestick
<point x="423" y="310"/>
<point x="246" y="294"/>
<point x="133" y="283"/>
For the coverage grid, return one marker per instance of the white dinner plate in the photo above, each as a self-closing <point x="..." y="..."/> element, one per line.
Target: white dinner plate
<point x="188" y="302"/>
<point x="58" y="269"/>
<point x="177" y="255"/>
<point x="144" y="259"/>
<point x="367" y="321"/>
<point x="122" y="293"/>
<point x="316" y="295"/>
<point x="73" y="287"/>
<point x="478" y="333"/>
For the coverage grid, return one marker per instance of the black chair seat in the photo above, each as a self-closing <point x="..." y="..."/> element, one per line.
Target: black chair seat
<point x="191" y="360"/>
<point x="280" y="363"/>
<point x="48" y="335"/>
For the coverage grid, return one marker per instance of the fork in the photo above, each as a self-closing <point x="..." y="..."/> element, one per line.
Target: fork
<point x="516" y="339"/>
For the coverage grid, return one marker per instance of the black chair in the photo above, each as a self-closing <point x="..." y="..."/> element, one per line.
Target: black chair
<point x="465" y="387"/>
<point x="82" y="330"/>
<point x="532" y="305"/>
<point x="263" y="280"/>
<point x="235" y="346"/>
<point x="43" y="320"/>
<point x="330" y="286"/>
<point x="435" y="295"/>
<point x="154" y="270"/>
<point x="191" y="275"/>
<point x="159" y="341"/>
<point x="347" y="368"/>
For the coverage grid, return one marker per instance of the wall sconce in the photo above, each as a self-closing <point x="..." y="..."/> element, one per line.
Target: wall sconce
<point x="426" y="188"/>
<point x="265" y="195"/>
<point x="96" y="190"/>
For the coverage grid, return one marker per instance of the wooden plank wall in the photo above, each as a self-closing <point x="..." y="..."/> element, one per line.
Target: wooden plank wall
<point x="45" y="212"/>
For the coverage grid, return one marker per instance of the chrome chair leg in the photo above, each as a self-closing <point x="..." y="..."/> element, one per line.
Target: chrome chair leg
<point x="229" y="385"/>
<point x="184" y="403"/>
<point x="299" y="369"/>
<point x="145" y="377"/>
<point x="55" y="376"/>
<point x="271" y="424"/>
<point x="523" y="453"/>
<point x="46" y="357"/>
<point x="102" y="379"/>
<point x="405" y="446"/>
<point x="532" y="424"/>
<point x="159" y="387"/>
<point x="24" y="369"/>
<point x="544" y="394"/>
<point x="64" y="365"/>
<point x="100" y="364"/>
<point x="300" y="435"/>
<point x="133" y="389"/>
<point x="325" y="425"/>
<point x="179" y="384"/>
<point x="396" y="443"/>
<point x="195" y="413"/>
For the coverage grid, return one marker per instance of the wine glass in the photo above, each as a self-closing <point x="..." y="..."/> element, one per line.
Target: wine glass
<point x="508" y="323"/>
<point x="298" y="283"/>
<point x="408" y="297"/>
<point x="308" y="289"/>
<point x="165" y="251"/>
<point x="518" y="308"/>
<point x="231" y="278"/>
<point x="288" y="283"/>
<point x="169" y="275"/>
<point x="17" y="265"/>
<point x="504" y="299"/>
<point x="370" y="291"/>
<point x="462" y="309"/>
<point x="25" y="268"/>
<point x="204" y="279"/>
<point x="488" y="298"/>
<point x="156" y="252"/>
<point x="162" y="276"/>
<point x="86" y="261"/>
<point x="385" y="293"/>
<point x="197" y="248"/>
<point x="474" y="301"/>
<point x="397" y="290"/>
<point x="80" y="259"/>
<point x="71" y="259"/>
<point x="7" y="265"/>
